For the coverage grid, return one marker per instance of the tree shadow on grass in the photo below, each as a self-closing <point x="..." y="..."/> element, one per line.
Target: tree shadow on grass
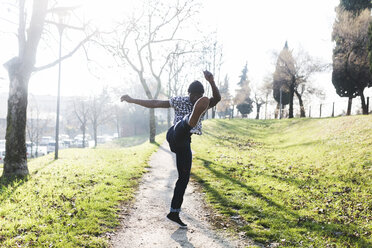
<point x="10" y="184"/>
<point x="294" y="219"/>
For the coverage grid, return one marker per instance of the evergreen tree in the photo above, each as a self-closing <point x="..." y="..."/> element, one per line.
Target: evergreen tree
<point x="284" y="81"/>
<point x="355" y="6"/>
<point x="242" y="98"/>
<point x="224" y="106"/>
<point x="351" y="73"/>
<point x="244" y="76"/>
<point x="246" y="107"/>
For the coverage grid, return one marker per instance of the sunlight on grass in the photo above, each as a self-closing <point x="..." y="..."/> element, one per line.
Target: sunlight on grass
<point x="298" y="182"/>
<point x="71" y="202"/>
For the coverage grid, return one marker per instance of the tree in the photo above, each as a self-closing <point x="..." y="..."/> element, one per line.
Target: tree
<point x="294" y="71"/>
<point x="260" y="93"/>
<point x="150" y="37"/>
<point x="100" y="111"/>
<point x="243" y="102"/>
<point x="246" y="107"/>
<point x="20" y="69"/>
<point x="266" y="89"/>
<point x="176" y="64"/>
<point x="244" y="76"/>
<point x="35" y="126"/>
<point x="224" y="106"/>
<point x="281" y="82"/>
<point x="242" y="96"/>
<point x="82" y="110"/>
<point x="351" y="71"/>
<point x="355" y="6"/>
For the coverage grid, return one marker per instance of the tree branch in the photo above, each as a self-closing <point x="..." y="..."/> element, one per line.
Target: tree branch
<point x="66" y="56"/>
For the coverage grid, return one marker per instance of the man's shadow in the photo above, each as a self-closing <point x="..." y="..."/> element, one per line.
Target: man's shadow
<point x="180" y="236"/>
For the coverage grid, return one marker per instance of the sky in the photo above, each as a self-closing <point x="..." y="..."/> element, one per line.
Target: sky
<point x="249" y="31"/>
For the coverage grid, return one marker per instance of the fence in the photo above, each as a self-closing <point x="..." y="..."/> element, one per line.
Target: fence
<point x="318" y="110"/>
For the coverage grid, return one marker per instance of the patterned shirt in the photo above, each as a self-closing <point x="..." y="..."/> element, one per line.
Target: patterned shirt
<point x="183" y="106"/>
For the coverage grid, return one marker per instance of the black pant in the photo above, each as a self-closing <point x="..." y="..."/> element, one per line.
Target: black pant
<point x="179" y="139"/>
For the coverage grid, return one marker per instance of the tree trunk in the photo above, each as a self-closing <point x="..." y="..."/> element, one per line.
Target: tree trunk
<point x="19" y="71"/>
<point x="152" y="125"/>
<point x="277" y="110"/>
<point x="213" y="112"/>
<point x="363" y="101"/>
<point x="349" y="103"/>
<point x="83" y="127"/>
<point x="95" y="126"/>
<point x="15" y="162"/>
<point x="291" y="94"/>
<point x="302" y="109"/>
<point x="232" y="112"/>
<point x="258" y="106"/>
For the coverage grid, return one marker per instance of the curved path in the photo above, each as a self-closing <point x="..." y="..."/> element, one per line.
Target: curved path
<point x="145" y="224"/>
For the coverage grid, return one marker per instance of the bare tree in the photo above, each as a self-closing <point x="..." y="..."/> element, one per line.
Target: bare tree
<point x="147" y="41"/>
<point x="266" y="89"/>
<point x="35" y="127"/>
<point x="100" y="112"/>
<point x="258" y="99"/>
<point x="81" y="111"/>
<point x="295" y="71"/>
<point x="211" y="59"/>
<point x="20" y="69"/>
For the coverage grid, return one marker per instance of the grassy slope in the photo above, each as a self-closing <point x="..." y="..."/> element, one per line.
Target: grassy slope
<point x="71" y="202"/>
<point x="298" y="182"/>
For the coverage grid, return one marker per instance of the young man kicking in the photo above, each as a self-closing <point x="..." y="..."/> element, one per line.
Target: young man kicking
<point x="188" y="111"/>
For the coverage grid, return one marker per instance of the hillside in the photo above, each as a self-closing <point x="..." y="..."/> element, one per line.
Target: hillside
<point x="290" y="183"/>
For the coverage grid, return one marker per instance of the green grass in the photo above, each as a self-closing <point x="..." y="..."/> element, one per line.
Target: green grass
<point x="126" y="141"/>
<point x="71" y="202"/>
<point x="299" y="182"/>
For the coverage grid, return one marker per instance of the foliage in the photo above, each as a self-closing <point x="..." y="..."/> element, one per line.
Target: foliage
<point x="243" y="102"/>
<point x="290" y="183"/>
<point x="293" y="74"/>
<point x="356" y="6"/>
<point x="71" y="202"/>
<point x="370" y="46"/>
<point x="246" y="107"/>
<point x="351" y="73"/>
<point x="244" y="76"/>
<point x="282" y="76"/>
<point x="224" y="106"/>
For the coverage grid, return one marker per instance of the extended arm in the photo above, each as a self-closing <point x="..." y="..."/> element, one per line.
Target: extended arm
<point x="146" y="103"/>
<point x="215" y="92"/>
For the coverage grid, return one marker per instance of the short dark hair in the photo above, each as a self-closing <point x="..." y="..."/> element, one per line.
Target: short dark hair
<point x="196" y="87"/>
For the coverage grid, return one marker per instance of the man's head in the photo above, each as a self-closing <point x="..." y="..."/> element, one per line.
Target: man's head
<point x="196" y="90"/>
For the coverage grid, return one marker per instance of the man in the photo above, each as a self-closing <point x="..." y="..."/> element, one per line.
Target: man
<point x="187" y="121"/>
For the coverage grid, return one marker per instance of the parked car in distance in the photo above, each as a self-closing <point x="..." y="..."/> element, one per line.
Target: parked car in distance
<point x="51" y="147"/>
<point x="45" y="140"/>
<point x="67" y="143"/>
<point x="42" y="151"/>
<point x="31" y="149"/>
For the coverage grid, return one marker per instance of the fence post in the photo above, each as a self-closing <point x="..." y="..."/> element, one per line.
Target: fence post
<point x="367" y="105"/>
<point x="333" y="109"/>
<point x="309" y="111"/>
<point x="320" y="111"/>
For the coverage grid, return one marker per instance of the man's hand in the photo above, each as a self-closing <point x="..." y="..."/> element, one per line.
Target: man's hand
<point x="208" y="76"/>
<point x="126" y="98"/>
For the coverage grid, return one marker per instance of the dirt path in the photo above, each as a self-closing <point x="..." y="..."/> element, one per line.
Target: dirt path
<point x="146" y="224"/>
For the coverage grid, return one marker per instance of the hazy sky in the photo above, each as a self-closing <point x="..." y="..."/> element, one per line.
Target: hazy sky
<point x="250" y="31"/>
